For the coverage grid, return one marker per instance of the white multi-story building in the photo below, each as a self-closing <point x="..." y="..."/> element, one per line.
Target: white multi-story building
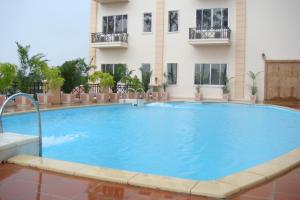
<point x="215" y="37"/>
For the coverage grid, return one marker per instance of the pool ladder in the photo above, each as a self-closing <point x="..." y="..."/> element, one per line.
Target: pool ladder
<point x="36" y="105"/>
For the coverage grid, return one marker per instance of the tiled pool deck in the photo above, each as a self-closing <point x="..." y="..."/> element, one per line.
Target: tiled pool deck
<point x="286" y="187"/>
<point x="24" y="183"/>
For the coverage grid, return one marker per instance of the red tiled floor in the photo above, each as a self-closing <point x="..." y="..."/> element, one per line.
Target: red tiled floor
<point x="21" y="183"/>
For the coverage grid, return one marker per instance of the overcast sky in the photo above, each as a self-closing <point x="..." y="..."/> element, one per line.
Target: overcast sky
<point x="57" y="28"/>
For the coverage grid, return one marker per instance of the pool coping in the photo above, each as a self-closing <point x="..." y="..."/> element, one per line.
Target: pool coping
<point x="221" y="188"/>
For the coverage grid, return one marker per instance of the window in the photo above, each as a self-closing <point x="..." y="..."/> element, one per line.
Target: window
<point x="173" y="21"/>
<point x="172" y="73"/>
<point x="216" y="18"/>
<point x="112" y="68"/>
<point x="210" y="74"/>
<point x="115" y="24"/>
<point x="147" y="22"/>
<point x="146" y="68"/>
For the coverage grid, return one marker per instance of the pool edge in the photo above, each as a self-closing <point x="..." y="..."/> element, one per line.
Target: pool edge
<point x="220" y="188"/>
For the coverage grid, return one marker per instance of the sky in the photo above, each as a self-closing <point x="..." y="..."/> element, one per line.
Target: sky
<point x="57" y="28"/>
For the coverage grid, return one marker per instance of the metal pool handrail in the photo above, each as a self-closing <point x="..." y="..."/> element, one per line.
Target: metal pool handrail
<point x="36" y="105"/>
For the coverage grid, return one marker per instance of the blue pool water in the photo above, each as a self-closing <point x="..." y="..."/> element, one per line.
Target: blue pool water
<point x="185" y="140"/>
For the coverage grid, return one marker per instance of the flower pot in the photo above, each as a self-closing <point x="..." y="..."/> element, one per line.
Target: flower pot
<point x="84" y="98"/>
<point x="22" y="101"/>
<point x="100" y="98"/>
<point x="198" y="96"/>
<point x="2" y="99"/>
<point x="114" y="97"/>
<point x="253" y="99"/>
<point x="68" y="98"/>
<point x="164" y="96"/>
<point x="93" y="97"/>
<point x="44" y="98"/>
<point x="56" y="96"/>
<point x="226" y="97"/>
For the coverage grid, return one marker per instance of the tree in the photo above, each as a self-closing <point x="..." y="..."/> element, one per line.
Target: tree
<point x="31" y="67"/>
<point x="7" y="76"/>
<point x="74" y="73"/>
<point x="53" y="77"/>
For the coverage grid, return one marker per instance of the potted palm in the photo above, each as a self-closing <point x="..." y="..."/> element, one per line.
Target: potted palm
<point x="55" y="81"/>
<point x="106" y="82"/>
<point x="226" y="87"/>
<point x="198" y="93"/>
<point x="253" y="87"/>
<point x="198" y="78"/>
<point x="164" y="94"/>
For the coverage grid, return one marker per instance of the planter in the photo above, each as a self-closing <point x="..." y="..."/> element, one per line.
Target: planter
<point x="44" y="99"/>
<point x="114" y="97"/>
<point x="68" y="98"/>
<point x="226" y="97"/>
<point x="56" y="96"/>
<point x="253" y="99"/>
<point x="155" y="96"/>
<point x="93" y="97"/>
<point x="84" y="98"/>
<point x="2" y="99"/>
<point x="164" y="96"/>
<point x="100" y="98"/>
<point x="198" y="96"/>
<point x="140" y="95"/>
<point x="22" y="101"/>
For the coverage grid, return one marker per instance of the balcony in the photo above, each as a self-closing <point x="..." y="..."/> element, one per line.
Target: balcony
<point x="111" y="1"/>
<point x="109" y="40"/>
<point x="201" y="37"/>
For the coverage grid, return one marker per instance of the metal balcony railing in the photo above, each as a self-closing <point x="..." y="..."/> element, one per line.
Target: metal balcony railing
<point x="201" y="33"/>
<point x="109" y="37"/>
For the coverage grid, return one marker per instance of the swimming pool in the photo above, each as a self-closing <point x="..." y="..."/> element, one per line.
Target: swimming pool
<point x="185" y="140"/>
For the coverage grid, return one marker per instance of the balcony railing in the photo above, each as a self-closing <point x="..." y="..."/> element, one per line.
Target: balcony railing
<point x="198" y="36"/>
<point x="106" y="40"/>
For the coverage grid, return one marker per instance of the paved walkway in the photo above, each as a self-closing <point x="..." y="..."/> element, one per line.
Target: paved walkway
<point x="21" y="183"/>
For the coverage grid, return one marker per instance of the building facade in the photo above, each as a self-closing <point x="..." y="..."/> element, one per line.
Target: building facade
<point x="199" y="42"/>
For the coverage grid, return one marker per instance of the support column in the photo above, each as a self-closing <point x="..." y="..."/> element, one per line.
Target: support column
<point x="240" y="52"/>
<point x="159" y="41"/>
<point x="93" y="29"/>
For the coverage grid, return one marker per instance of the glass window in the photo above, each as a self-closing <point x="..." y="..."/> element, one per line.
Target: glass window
<point x="110" y="24"/>
<point x="125" y="19"/>
<point x="104" y="24"/>
<point x="224" y="17"/>
<point x="146" y="67"/>
<point x="210" y="74"/>
<point x="198" y="76"/>
<point x="199" y="19"/>
<point x="172" y="73"/>
<point x="173" y="21"/>
<point x="107" y="68"/>
<point x="212" y="18"/>
<point x="206" y="24"/>
<point x="115" y="24"/>
<point x="217" y="20"/>
<point x="206" y="74"/>
<point x="148" y="22"/>
<point x="215" y="74"/>
<point x="223" y="73"/>
<point x="119" y="25"/>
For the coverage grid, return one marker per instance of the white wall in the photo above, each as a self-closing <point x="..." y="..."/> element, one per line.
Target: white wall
<point x="273" y="28"/>
<point x="178" y="50"/>
<point x="140" y="45"/>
